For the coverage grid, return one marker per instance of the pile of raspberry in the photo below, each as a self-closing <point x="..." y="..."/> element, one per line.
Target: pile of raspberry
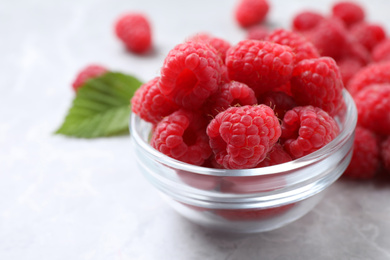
<point x="362" y="52"/>
<point x="253" y="104"/>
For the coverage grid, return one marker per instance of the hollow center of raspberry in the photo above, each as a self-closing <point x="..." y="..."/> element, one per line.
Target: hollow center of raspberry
<point x="186" y="80"/>
<point x="189" y="137"/>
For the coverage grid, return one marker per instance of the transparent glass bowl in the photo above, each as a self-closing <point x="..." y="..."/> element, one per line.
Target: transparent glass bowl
<point x="250" y="200"/>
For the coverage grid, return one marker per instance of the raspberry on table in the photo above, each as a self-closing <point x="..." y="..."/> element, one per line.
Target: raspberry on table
<point x="191" y="72"/>
<point x="369" y="35"/>
<point x="373" y="106"/>
<point x="306" y="129"/>
<point x="251" y="12"/>
<point x="241" y="137"/>
<point x="365" y="158"/>
<point x="257" y="32"/>
<point x="375" y="73"/>
<point x="329" y="36"/>
<point x="89" y="72"/>
<point x="385" y="153"/>
<point x="279" y="101"/>
<point x="298" y="43"/>
<point x="230" y="94"/>
<point x="261" y="65"/>
<point x="134" y="30"/>
<point x="348" y="11"/>
<point x="150" y="104"/>
<point x="381" y="51"/>
<point x="219" y="44"/>
<point x="318" y="82"/>
<point x="306" y="20"/>
<point x="182" y="136"/>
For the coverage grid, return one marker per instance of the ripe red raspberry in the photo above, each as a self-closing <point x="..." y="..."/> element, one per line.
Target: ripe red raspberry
<point x="251" y="12"/>
<point x="365" y="158"/>
<point x="329" y="36"/>
<point x="241" y="137"/>
<point x="286" y="88"/>
<point x="150" y="104"/>
<point x="219" y="44"/>
<point x="375" y="73"/>
<point x="306" y="20"/>
<point x="253" y="214"/>
<point x="307" y="129"/>
<point x="133" y="29"/>
<point x="190" y="74"/>
<point x="181" y="135"/>
<point x="231" y="94"/>
<point x="259" y="64"/>
<point x="349" y="66"/>
<point x="257" y="32"/>
<point x="277" y="155"/>
<point x="89" y="72"/>
<point x="373" y="106"/>
<point x="279" y="101"/>
<point x="318" y="82"/>
<point x="381" y="52"/>
<point x="299" y="44"/>
<point x="349" y="12"/>
<point x="369" y="35"/>
<point x="385" y="153"/>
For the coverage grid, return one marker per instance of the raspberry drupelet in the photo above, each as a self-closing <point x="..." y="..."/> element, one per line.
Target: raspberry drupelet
<point x="241" y="137"/>
<point x="262" y="65"/>
<point x="306" y="129"/>
<point x="191" y="72"/>
<point x="89" y="72"/>
<point x="219" y="44"/>
<point x="134" y="30"/>
<point x="182" y="136"/>
<point x="318" y="82"/>
<point x="230" y="94"/>
<point x="150" y="104"/>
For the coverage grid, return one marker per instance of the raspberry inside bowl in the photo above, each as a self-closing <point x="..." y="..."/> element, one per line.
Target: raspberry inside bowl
<point x="246" y="200"/>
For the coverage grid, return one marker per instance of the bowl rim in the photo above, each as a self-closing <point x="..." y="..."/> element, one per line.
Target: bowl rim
<point x="322" y="153"/>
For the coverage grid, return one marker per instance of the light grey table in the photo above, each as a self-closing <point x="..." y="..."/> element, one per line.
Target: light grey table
<point x="64" y="198"/>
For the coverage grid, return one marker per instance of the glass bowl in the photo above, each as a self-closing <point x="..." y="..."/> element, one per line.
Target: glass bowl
<point x="250" y="200"/>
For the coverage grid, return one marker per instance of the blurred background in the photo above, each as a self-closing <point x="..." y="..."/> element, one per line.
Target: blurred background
<point x="68" y="198"/>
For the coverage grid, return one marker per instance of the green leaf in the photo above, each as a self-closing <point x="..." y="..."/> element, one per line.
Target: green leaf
<point x="101" y="107"/>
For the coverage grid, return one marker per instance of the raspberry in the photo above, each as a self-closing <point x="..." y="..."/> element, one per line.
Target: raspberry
<point x="318" y="82"/>
<point x="286" y="88"/>
<point x="133" y="29"/>
<point x="89" y="72"/>
<point x="257" y="32"/>
<point x="365" y="158"/>
<point x="251" y="12"/>
<point x="190" y="74"/>
<point x="277" y="155"/>
<point x="279" y="101"/>
<point x="385" y="153"/>
<point x="329" y="36"/>
<point x="220" y="45"/>
<point x="150" y="104"/>
<point x="369" y="35"/>
<point x="241" y="137"/>
<point x="375" y="73"/>
<point x="349" y="12"/>
<point x="307" y="129"/>
<point x="381" y="51"/>
<point x="259" y="64"/>
<point x="231" y="94"/>
<point x="302" y="47"/>
<point x="373" y="106"/>
<point x="349" y="66"/>
<point x="306" y="20"/>
<point x="252" y="214"/>
<point x="181" y="136"/>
